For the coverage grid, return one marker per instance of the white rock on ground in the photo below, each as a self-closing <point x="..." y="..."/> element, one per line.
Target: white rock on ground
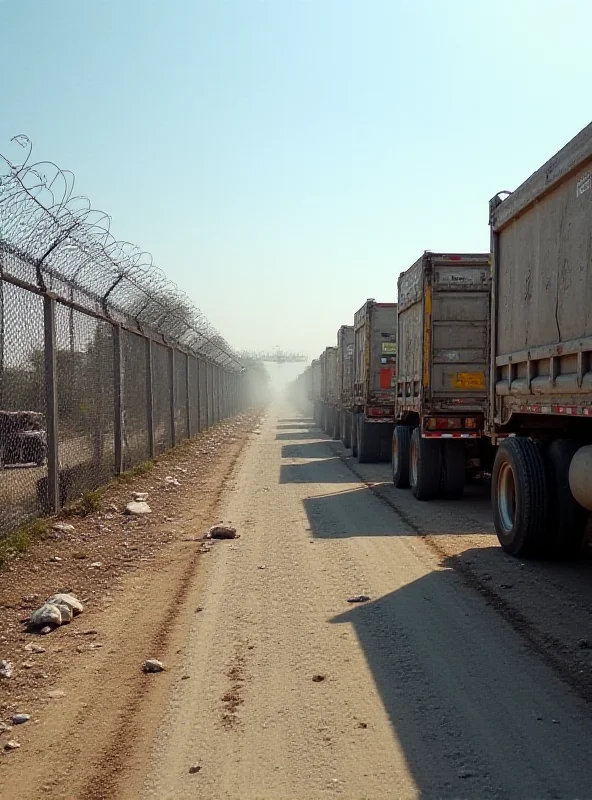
<point x="48" y="615"/>
<point x="34" y="648"/>
<point x="66" y="613"/>
<point x="6" y="669"/>
<point x="140" y="497"/>
<point x="152" y="665"/>
<point x="138" y="508"/>
<point x="170" y="481"/>
<point x="70" y="600"/>
<point x="63" y="527"/>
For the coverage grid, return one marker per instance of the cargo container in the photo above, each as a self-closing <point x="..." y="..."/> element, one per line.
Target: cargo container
<point x="442" y="373"/>
<point x="541" y="355"/>
<point x="328" y="361"/>
<point x="345" y="384"/>
<point x="315" y="369"/>
<point x="374" y="367"/>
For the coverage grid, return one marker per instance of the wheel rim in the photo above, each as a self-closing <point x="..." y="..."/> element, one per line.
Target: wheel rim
<point x="506" y="497"/>
<point x="413" y="458"/>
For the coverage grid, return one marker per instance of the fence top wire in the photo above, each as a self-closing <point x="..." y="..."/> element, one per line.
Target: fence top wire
<point x="54" y="239"/>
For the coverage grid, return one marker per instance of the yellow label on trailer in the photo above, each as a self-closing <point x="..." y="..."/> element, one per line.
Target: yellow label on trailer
<point x="468" y="380"/>
<point x="389" y="348"/>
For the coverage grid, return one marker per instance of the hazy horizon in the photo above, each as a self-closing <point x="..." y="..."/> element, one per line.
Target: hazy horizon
<point x="285" y="161"/>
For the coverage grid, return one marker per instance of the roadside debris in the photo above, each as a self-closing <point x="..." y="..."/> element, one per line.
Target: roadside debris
<point x="137" y="508"/>
<point x="58" y="610"/>
<point x="6" y="669"/>
<point x="222" y="532"/>
<point x="358" y="598"/>
<point x="20" y="719"/>
<point x="152" y="665"/>
<point x="195" y="768"/>
<point x="11" y="745"/>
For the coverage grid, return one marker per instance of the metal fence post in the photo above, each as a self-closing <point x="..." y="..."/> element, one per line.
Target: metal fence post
<point x="51" y="404"/>
<point x="150" y="399"/>
<point x="188" y="397"/>
<point x="209" y="394"/>
<point x="198" y="398"/>
<point x="118" y="399"/>
<point x="173" y="394"/>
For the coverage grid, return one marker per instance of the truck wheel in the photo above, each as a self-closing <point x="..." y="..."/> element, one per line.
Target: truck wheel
<point x="453" y="469"/>
<point x="567" y="518"/>
<point x="368" y="441"/>
<point x="520" y="496"/>
<point x="336" y="424"/>
<point x="425" y="466"/>
<point x="400" y="456"/>
<point x="346" y="429"/>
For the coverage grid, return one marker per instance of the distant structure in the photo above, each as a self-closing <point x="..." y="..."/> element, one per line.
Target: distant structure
<point x="276" y="356"/>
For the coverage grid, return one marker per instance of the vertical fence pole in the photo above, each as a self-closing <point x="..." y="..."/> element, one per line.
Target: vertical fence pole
<point x="198" y="398"/>
<point x="172" y="394"/>
<point x="118" y="399"/>
<point x="51" y="404"/>
<point x="188" y="397"/>
<point x="150" y="399"/>
<point x="210" y="393"/>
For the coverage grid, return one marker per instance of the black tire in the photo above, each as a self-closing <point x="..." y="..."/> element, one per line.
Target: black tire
<point x="520" y="496"/>
<point x="425" y="466"/>
<point x="567" y="518"/>
<point x="354" y="435"/>
<point x="453" y="468"/>
<point x="336" y="432"/>
<point x="346" y="433"/>
<point x="400" y="456"/>
<point x="368" y="441"/>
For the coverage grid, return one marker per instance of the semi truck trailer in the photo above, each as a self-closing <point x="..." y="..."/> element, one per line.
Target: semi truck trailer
<point x="328" y="361"/>
<point x="441" y="397"/>
<point x="374" y="367"/>
<point x="345" y="384"/>
<point x="541" y="355"/>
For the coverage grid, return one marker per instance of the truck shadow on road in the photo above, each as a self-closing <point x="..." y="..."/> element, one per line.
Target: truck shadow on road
<point x="309" y="426"/>
<point x="295" y="435"/>
<point x="469" y="706"/>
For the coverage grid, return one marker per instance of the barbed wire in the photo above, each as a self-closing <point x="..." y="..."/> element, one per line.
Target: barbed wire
<point x="59" y="243"/>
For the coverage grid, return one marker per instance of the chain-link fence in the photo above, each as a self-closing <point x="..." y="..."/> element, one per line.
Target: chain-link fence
<point x="103" y="362"/>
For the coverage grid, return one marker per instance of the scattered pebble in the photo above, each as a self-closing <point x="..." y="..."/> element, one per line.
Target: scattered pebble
<point x="584" y="644"/>
<point x="138" y="508"/>
<point x="47" y="629"/>
<point x="96" y="565"/>
<point x="170" y="481"/>
<point x="139" y="497"/>
<point x="262" y="566"/>
<point x="195" y="768"/>
<point x="63" y="527"/>
<point x="185" y="677"/>
<point x="88" y="632"/>
<point x="6" y="669"/>
<point x="56" y="693"/>
<point x="505" y="586"/>
<point x="48" y="615"/>
<point x="222" y="532"/>
<point x="20" y="719"/>
<point x="5" y="727"/>
<point x="28" y="664"/>
<point x="318" y="678"/>
<point x="362" y="724"/>
<point x="152" y="665"/>
<point x="55" y="559"/>
<point x="11" y="745"/>
<point x="358" y="598"/>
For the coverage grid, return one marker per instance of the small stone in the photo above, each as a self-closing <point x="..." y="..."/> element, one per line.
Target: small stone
<point x="138" y="508"/>
<point x="318" y="678"/>
<point x="584" y="644"/>
<point x="20" y="719"/>
<point x="465" y="773"/>
<point x="170" y="481"/>
<point x="222" y="532"/>
<point x="152" y="665"/>
<point x="69" y="600"/>
<point x="55" y="694"/>
<point x="66" y="613"/>
<point x="55" y="559"/>
<point x="506" y="586"/>
<point x="6" y="669"/>
<point x="30" y="598"/>
<point x="362" y="724"/>
<point x="47" y="629"/>
<point x="555" y="722"/>
<point x="185" y="677"/>
<point x="262" y="566"/>
<point x="198" y="610"/>
<point x="89" y="632"/>
<point x="96" y="565"/>
<point x="47" y="616"/>
<point x="358" y="598"/>
<point x="195" y="768"/>
<point x="62" y="527"/>
<point x="28" y="664"/>
<point x="140" y="497"/>
<point x="11" y="745"/>
<point x="5" y="727"/>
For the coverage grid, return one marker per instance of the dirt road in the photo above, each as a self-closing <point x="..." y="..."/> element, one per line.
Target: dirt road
<point x="426" y="690"/>
<point x="466" y="674"/>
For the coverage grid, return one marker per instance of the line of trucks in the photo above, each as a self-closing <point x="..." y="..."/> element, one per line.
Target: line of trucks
<point x="484" y="366"/>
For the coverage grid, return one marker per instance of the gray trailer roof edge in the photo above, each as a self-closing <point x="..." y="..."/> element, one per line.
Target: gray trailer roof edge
<point x="568" y="160"/>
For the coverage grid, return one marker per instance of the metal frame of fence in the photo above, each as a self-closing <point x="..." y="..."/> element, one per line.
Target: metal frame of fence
<point x="95" y="340"/>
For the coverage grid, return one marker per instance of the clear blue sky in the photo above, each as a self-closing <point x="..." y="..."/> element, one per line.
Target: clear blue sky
<point x="284" y="160"/>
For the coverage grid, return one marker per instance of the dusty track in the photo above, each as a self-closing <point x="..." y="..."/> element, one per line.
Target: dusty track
<point x="463" y="676"/>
